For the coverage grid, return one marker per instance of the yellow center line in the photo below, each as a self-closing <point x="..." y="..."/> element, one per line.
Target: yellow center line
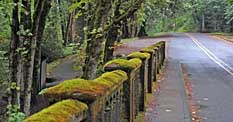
<point x="212" y="56"/>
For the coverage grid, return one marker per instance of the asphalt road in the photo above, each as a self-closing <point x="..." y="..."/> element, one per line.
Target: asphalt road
<point x="209" y="63"/>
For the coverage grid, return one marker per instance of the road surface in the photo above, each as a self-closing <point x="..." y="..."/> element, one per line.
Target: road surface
<point x="209" y="63"/>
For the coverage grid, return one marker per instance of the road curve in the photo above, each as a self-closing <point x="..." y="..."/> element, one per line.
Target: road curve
<point x="209" y="63"/>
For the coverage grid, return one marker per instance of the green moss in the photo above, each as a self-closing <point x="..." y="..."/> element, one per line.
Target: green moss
<point x="147" y="50"/>
<point x="112" y="79"/>
<point x="124" y="64"/>
<point x="159" y="44"/>
<point x="59" y="112"/>
<point x="87" y="89"/>
<point x="139" y="55"/>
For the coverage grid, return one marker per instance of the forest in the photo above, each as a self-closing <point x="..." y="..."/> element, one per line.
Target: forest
<point x="89" y="29"/>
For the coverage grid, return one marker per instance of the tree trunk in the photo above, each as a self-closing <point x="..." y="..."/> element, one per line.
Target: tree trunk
<point x="23" y="50"/>
<point x="93" y="52"/>
<point x="62" y="20"/>
<point x="142" y="31"/>
<point x="231" y="27"/>
<point x="112" y="37"/>
<point x="37" y="30"/>
<point x="80" y="28"/>
<point x="69" y="29"/>
<point x="14" y="55"/>
<point x="203" y="29"/>
<point x="95" y="41"/>
<point x="125" y="29"/>
<point x="133" y="25"/>
<point x="37" y="66"/>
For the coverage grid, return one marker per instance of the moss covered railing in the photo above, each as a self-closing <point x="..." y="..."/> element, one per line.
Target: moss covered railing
<point x="118" y="95"/>
<point x="64" y="111"/>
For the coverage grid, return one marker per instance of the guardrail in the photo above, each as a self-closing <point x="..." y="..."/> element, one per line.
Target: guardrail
<point x="118" y="95"/>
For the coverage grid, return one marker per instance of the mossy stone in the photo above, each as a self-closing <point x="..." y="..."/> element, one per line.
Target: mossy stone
<point x="124" y="64"/>
<point x="147" y="50"/>
<point x="113" y="78"/>
<point x="59" y="112"/>
<point x="159" y="44"/>
<point x="139" y="55"/>
<point x="85" y="89"/>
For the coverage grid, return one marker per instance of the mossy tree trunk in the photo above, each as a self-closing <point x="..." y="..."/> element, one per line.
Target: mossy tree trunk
<point x="112" y="37"/>
<point x="37" y="62"/>
<point x="14" y="57"/>
<point x="96" y="38"/>
<point x="99" y="23"/>
<point x="24" y="45"/>
<point x="80" y="23"/>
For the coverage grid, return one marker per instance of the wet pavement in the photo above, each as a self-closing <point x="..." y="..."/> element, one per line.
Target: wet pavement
<point x="209" y="65"/>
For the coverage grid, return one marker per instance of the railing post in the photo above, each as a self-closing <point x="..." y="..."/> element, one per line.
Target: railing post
<point x="143" y="83"/>
<point x="151" y="67"/>
<point x="131" y="67"/>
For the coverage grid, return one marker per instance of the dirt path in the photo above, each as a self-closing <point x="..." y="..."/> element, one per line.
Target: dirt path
<point x="63" y="71"/>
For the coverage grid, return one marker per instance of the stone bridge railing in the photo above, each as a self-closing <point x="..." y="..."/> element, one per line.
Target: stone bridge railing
<point x="118" y="95"/>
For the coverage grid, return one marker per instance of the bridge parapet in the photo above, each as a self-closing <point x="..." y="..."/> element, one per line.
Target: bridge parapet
<point x="118" y="95"/>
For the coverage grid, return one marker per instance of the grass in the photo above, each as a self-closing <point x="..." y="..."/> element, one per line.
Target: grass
<point x="68" y="51"/>
<point x="129" y="40"/>
<point x="158" y="34"/>
<point x="221" y="34"/>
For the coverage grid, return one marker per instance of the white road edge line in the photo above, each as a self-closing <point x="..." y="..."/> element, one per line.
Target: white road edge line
<point x="211" y="55"/>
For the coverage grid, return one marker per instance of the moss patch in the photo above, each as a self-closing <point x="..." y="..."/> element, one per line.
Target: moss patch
<point x="159" y="44"/>
<point x="85" y="89"/>
<point x="124" y="64"/>
<point x="147" y="50"/>
<point x="139" y="55"/>
<point x="112" y="78"/>
<point x="60" y="112"/>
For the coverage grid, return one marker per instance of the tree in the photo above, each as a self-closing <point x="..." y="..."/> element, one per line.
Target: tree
<point x="101" y="18"/>
<point x="27" y="31"/>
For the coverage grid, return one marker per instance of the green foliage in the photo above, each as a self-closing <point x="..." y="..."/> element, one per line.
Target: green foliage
<point x="187" y="16"/>
<point x="5" y="17"/>
<point x="229" y="13"/>
<point x="185" y="23"/>
<point x="14" y="114"/>
<point x="4" y="44"/>
<point x="54" y="47"/>
<point x="53" y="38"/>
